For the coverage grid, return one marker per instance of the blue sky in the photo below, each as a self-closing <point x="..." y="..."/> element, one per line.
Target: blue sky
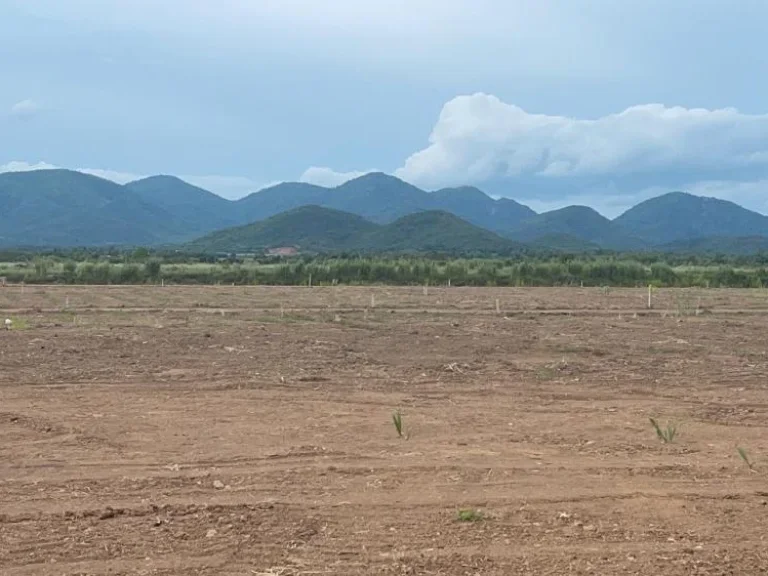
<point x="550" y="102"/>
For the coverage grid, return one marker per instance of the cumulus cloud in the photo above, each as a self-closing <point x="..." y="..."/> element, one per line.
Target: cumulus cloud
<point x="479" y="138"/>
<point x="25" y="108"/>
<point x="231" y="187"/>
<point x="328" y="177"/>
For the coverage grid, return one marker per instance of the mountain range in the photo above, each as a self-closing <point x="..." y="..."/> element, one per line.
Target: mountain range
<point x="60" y="208"/>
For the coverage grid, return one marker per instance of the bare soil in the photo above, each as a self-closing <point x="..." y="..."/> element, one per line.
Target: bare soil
<point x="248" y="431"/>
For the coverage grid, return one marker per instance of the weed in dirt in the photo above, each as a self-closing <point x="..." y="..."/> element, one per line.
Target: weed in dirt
<point x="545" y="373"/>
<point x="18" y="324"/>
<point x="745" y="457"/>
<point x="397" y="420"/>
<point x="470" y="515"/>
<point x="666" y="434"/>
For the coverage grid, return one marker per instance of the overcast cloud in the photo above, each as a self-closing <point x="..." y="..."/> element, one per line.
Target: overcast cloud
<point x="547" y="101"/>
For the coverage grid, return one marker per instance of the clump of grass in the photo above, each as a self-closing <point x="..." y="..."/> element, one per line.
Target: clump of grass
<point x="745" y="457"/>
<point x="470" y="515"/>
<point x="19" y="323"/>
<point x="666" y="434"/>
<point x="397" y="420"/>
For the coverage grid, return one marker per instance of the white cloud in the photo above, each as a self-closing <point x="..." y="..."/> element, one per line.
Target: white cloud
<point x="329" y="178"/>
<point x="231" y="187"/>
<point x="15" y="166"/>
<point x="479" y="138"/>
<point x="25" y="108"/>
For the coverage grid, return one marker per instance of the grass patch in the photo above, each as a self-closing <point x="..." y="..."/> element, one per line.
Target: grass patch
<point x="18" y="323"/>
<point x="666" y="434"/>
<point x="745" y="458"/>
<point x="397" y="420"/>
<point x="470" y="515"/>
<point x="545" y="373"/>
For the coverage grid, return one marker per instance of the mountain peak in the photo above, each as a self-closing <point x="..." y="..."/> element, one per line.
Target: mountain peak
<point x="682" y="216"/>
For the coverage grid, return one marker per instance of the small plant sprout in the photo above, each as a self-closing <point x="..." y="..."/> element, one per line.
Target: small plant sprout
<point x="397" y="420"/>
<point x="470" y="515"/>
<point x="666" y="434"/>
<point x="745" y="457"/>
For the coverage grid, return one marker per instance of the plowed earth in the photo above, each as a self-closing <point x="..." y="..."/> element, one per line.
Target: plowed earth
<point x="241" y="431"/>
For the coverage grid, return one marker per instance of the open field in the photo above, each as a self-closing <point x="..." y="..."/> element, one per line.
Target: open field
<point x="248" y="431"/>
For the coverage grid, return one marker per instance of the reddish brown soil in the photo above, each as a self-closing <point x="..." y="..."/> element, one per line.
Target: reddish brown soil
<point x="202" y="431"/>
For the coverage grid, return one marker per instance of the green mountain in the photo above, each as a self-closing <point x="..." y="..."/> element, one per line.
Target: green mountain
<point x="279" y="198"/>
<point x="65" y="208"/>
<point x="680" y="216"/>
<point x="382" y="198"/>
<point x="736" y="245"/>
<point x="317" y="229"/>
<point x="476" y="207"/>
<point x="575" y="224"/>
<point x="437" y="231"/>
<point x="196" y="210"/>
<point x="308" y="228"/>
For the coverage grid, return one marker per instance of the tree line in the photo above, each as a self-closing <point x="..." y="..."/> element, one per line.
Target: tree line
<point x="143" y="267"/>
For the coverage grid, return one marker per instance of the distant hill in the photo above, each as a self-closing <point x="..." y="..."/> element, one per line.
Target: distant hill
<point x="476" y="207"/>
<point x="577" y="223"/>
<point x="308" y="228"/>
<point x="317" y="229"/>
<point x="382" y="198"/>
<point x="437" y="231"/>
<point x="735" y="245"/>
<point x="279" y="198"/>
<point x="680" y="216"/>
<point x="66" y="208"/>
<point x="196" y="210"/>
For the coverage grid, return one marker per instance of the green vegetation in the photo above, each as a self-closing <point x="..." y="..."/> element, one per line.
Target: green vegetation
<point x="397" y="420"/>
<point x="745" y="457"/>
<point x="470" y="515"/>
<point x="544" y="269"/>
<point x="666" y="434"/>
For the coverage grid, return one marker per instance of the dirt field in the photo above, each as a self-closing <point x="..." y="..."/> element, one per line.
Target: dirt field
<point x="248" y="431"/>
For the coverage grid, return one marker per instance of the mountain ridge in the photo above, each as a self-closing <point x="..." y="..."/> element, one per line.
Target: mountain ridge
<point x="69" y="208"/>
<point x="317" y="229"/>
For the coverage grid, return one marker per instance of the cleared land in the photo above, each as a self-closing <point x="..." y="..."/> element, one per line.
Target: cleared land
<point x="234" y="431"/>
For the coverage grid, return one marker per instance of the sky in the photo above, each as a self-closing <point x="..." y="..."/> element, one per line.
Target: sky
<point x="550" y="102"/>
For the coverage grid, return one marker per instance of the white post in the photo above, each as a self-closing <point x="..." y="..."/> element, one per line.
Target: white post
<point x="650" y="292"/>
<point x="310" y="281"/>
<point x="373" y="301"/>
<point x="498" y="308"/>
